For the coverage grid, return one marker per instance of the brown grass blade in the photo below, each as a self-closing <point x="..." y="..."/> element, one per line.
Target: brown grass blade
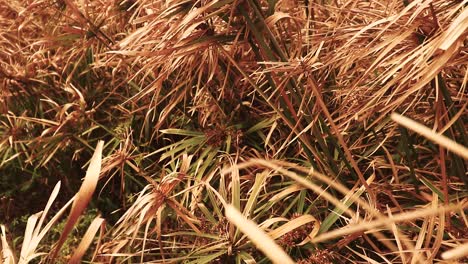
<point x="387" y="221"/>
<point x="258" y="236"/>
<point x="456" y="30"/>
<point x="431" y="135"/>
<point x="87" y="240"/>
<point x="294" y="224"/>
<point x="6" y="254"/>
<point x="34" y="231"/>
<point x="456" y="253"/>
<point x="83" y="196"/>
<point x="394" y="229"/>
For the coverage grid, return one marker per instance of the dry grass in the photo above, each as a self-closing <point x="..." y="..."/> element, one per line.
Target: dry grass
<point x="276" y="113"/>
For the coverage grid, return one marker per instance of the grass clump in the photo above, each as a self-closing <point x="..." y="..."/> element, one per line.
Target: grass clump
<point x="215" y="114"/>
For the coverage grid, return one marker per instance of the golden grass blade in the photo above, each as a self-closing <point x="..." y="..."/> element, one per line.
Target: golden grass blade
<point x="271" y="221"/>
<point x="33" y="233"/>
<point x="6" y="254"/>
<point x="432" y="222"/>
<point x="456" y="253"/>
<point x="287" y="191"/>
<point x="387" y="221"/>
<point x="296" y="223"/>
<point x="258" y="236"/>
<point x="254" y="193"/>
<point x="456" y="30"/>
<point x="419" y="242"/>
<point x="431" y="135"/>
<point x="52" y="198"/>
<point x="439" y="237"/>
<point x="368" y="259"/>
<point x="54" y="219"/>
<point x="27" y="249"/>
<point x="87" y="240"/>
<point x="83" y="196"/>
<point x="394" y="229"/>
<point x="235" y="189"/>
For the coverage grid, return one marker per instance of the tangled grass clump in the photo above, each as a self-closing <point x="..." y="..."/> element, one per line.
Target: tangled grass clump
<point x="234" y="129"/>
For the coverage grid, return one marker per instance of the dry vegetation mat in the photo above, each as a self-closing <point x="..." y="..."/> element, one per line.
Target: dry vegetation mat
<point x="233" y="131"/>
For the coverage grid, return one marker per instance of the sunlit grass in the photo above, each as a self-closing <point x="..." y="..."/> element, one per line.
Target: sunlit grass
<point x="236" y="131"/>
